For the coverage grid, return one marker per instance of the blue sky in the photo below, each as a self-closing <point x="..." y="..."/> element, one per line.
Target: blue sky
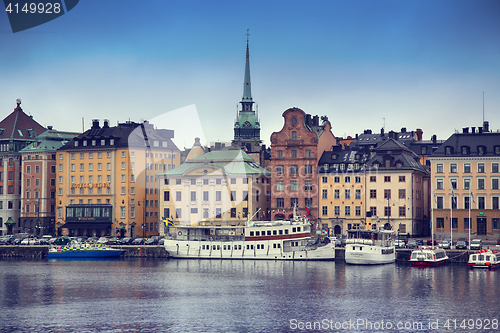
<point x="414" y="64"/>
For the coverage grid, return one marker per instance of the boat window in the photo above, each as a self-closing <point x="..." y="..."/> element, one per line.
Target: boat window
<point x="203" y="247"/>
<point x="214" y="247"/>
<point x="262" y="246"/>
<point x="218" y="247"/>
<point x="298" y="229"/>
<point x="294" y="229"/>
<point x="258" y="247"/>
<point x="481" y="257"/>
<point x="487" y="258"/>
<point x="239" y="247"/>
<point x="274" y="245"/>
<point x="274" y="232"/>
<point x="251" y="247"/>
<point x="279" y="245"/>
<point x="281" y="232"/>
<point x="251" y="233"/>
<point x="474" y="257"/>
<point x="229" y="247"/>
<point x="269" y="232"/>
<point x="286" y="231"/>
<point x="224" y="247"/>
<point x="257" y="233"/>
<point x="248" y="246"/>
<point x="429" y="256"/>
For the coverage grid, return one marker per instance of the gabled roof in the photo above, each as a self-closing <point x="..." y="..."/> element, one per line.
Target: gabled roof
<point x="18" y="125"/>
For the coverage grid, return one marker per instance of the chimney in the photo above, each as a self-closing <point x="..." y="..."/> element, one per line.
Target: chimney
<point x="465" y="130"/>
<point x="49" y="127"/>
<point x="434" y="138"/>
<point x="315" y="121"/>
<point x="106" y="123"/>
<point x="473" y="130"/>
<point x="486" y="126"/>
<point x="403" y="129"/>
<point x="480" y="130"/>
<point x="420" y="134"/>
<point x="95" y="124"/>
<point x="382" y="132"/>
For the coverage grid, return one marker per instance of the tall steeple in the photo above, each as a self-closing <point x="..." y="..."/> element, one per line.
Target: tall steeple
<point x="247" y="100"/>
<point x="246" y="126"/>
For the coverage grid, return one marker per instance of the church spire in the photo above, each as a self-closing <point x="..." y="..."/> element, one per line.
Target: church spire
<point x="247" y="100"/>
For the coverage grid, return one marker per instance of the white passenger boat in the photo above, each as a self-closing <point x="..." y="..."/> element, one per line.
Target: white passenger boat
<point x="370" y="247"/>
<point x="277" y="240"/>
<point x="489" y="259"/>
<point x="428" y="256"/>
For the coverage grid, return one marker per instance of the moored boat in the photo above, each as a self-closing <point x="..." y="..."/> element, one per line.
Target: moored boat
<point x="79" y="250"/>
<point x="370" y="247"/>
<point x="428" y="256"/>
<point x="489" y="259"/>
<point x="273" y="240"/>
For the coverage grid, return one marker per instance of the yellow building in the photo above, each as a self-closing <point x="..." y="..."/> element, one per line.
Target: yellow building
<point x="106" y="183"/>
<point x="468" y="163"/>
<point x="218" y="188"/>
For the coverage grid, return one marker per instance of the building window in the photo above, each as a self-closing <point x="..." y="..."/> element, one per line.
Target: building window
<point x="347" y="210"/>
<point x="324" y="210"/>
<point x="439" y="168"/>
<point x="347" y="193"/>
<point x="480" y="168"/>
<point x="308" y="153"/>
<point x="481" y="203"/>
<point x="439" y="203"/>
<point x="245" y="195"/>
<point x="480" y="183"/>
<point x="453" y="183"/>
<point x="308" y="186"/>
<point x="494" y="167"/>
<point x="357" y="210"/>
<point x="166" y="195"/>
<point x="324" y="194"/>
<point x="178" y="196"/>
<point x="402" y="211"/>
<point x="233" y="212"/>
<point x="494" y="203"/>
<point x="467" y="168"/>
<point x="336" y="179"/>
<point x="336" y="210"/>
<point x="387" y="179"/>
<point x="387" y="211"/>
<point x="494" y="184"/>
<point x="336" y="194"/>
<point x="373" y="211"/>
<point x="294" y="154"/>
<point x="347" y="179"/>
<point x="294" y="202"/>
<point x="324" y="180"/>
<point x="439" y="184"/>
<point x="233" y="195"/>
<point x="308" y="202"/>
<point x="308" y="169"/>
<point x="279" y="170"/>
<point x="466" y="184"/>
<point x="357" y="179"/>
<point x="294" y="169"/>
<point x="402" y="179"/>
<point x="453" y="168"/>
<point x="280" y="154"/>
<point x="280" y="202"/>
<point x="387" y="194"/>
<point x="373" y="179"/>
<point x="294" y="135"/>
<point x="402" y="193"/>
<point x="373" y="194"/>
<point x="294" y="185"/>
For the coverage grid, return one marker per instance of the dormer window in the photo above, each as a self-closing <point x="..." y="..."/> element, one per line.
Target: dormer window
<point x="465" y="150"/>
<point x="111" y="142"/>
<point x="93" y="142"/>
<point x="448" y="150"/>
<point x="20" y="132"/>
<point x="481" y="150"/>
<point x="76" y="143"/>
<point x="84" y="143"/>
<point x="103" y="142"/>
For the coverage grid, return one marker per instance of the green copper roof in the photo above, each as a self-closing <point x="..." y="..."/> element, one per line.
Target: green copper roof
<point x="232" y="162"/>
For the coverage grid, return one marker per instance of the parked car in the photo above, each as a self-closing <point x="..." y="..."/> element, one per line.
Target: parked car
<point x="161" y="241"/>
<point x="419" y="241"/>
<point x="412" y="244"/>
<point x="125" y="241"/>
<point x="429" y="241"/>
<point x="153" y="241"/>
<point x="444" y="244"/>
<point x="476" y="244"/>
<point x="103" y="240"/>
<point x="461" y="245"/>
<point x="463" y="240"/>
<point x="112" y="241"/>
<point x="399" y="243"/>
<point x="138" y="241"/>
<point x="25" y="241"/>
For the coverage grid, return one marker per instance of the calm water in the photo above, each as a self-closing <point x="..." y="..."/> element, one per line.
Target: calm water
<point x="242" y="296"/>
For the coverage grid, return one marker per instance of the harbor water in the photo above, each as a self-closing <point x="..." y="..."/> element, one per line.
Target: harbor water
<point x="161" y="295"/>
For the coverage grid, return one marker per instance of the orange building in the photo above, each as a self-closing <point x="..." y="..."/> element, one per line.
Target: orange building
<point x="107" y="183"/>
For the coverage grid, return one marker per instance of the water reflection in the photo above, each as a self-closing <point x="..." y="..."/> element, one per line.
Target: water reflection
<point x="231" y="295"/>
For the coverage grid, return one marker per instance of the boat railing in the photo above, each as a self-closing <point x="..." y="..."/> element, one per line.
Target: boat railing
<point x="210" y="238"/>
